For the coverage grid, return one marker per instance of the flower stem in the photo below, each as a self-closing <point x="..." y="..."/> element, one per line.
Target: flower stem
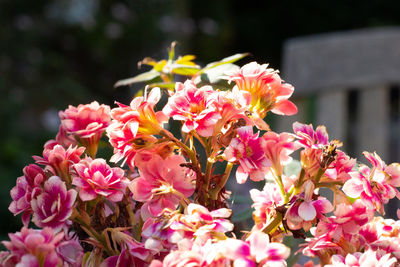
<point x="215" y="191"/>
<point x="270" y="228"/>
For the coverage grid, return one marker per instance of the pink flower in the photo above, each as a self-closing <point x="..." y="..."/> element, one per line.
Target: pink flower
<point x="265" y="203"/>
<point x="163" y="183"/>
<point x="70" y="250"/>
<point x="95" y="178"/>
<point x="343" y="227"/>
<point x="126" y="144"/>
<point x="139" y="116"/>
<point x="195" y="107"/>
<point x="199" y="224"/>
<point x="245" y="149"/>
<point x="58" y="160"/>
<point x="54" y="205"/>
<point x="268" y="92"/>
<point x="28" y="186"/>
<point x="35" y="247"/>
<point x="368" y="258"/>
<point x="132" y="127"/>
<point x="277" y="148"/>
<point x="86" y="122"/>
<point x="309" y="138"/>
<point x="267" y="253"/>
<point x="339" y="169"/>
<point x="305" y="210"/>
<point x="376" y="186"/>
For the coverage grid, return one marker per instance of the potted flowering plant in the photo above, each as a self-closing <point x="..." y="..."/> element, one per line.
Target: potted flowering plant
<point x="158" y="202"/>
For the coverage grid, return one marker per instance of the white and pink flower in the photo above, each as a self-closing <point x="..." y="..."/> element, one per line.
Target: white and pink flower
<point x="86" y="123"/>
<point x="59" y="160"/>
<point x="376" y="186"/>
<point x="94" y="177"/>
<point x="195" y="107"/>
<point x="163" y="183"/>
<point x="32" y="247"/>
<point x="268" y="91"/>
<point x="28" y="187"/>
<point x="246" y="149"/>
<point x="53" y="206"/>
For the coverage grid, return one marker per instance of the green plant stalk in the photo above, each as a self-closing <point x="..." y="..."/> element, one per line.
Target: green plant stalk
<point x="319" y="175"/>
<point x="270" y="228"/>
<point x="215" y="191"/>
<point x="93" y="233"/>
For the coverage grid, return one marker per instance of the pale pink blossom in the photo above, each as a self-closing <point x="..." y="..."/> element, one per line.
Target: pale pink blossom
<point x="53" y="206"/>
<point x="349" y="219"/>
<point x="277" y="148"/>
<point x="369" y="258"/>
<point x="268" y="91"/>
<point x="374" y="186"/>
<point x="265" y="202"/>
<point x="247" y="151"/>
<point x="94" y="177"/>
<point x="195" y="107"/>
<point x="200" y="224"/>
<point x="304" y="210"/>
<point x="70" y="250"/>
<point x="58" y="160"/>
<point x="267" y="253"/>
<point x="35" y="247"/>
<point x="382" y="235"/>
<point x="28" y="186"/>
<point x="163" y="183"/>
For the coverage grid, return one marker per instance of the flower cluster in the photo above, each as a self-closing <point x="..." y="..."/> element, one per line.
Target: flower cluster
<point x="166" y="203"/>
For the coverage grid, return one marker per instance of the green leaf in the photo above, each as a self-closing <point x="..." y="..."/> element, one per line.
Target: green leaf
<point x="143" y="77"/>
<point x="223" y="61"/>
<point x="214" y="75"/>
<point x="162" y="85"/>
<point x="185" y="70"/>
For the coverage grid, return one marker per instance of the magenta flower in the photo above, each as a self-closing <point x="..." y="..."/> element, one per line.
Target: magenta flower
<point x="268" y="92"/>
<point x="58" y="160"/>
<point x="35" y="247"/>
<point x="53" y="206"/>
<point x="339" y="169"/>
<point x="94" y="177"/>
<point x="309" y="138"/>
<point x="376" y="186"/>
<point x="163" y="183"/>
<point x="28" y="186"/>
<point x="194" y="106"/>
<point x="86" y="123"/>
<point x="246" y="150"/>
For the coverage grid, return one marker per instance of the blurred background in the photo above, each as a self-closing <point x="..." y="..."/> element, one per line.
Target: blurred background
<point x="59" y="52"/>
